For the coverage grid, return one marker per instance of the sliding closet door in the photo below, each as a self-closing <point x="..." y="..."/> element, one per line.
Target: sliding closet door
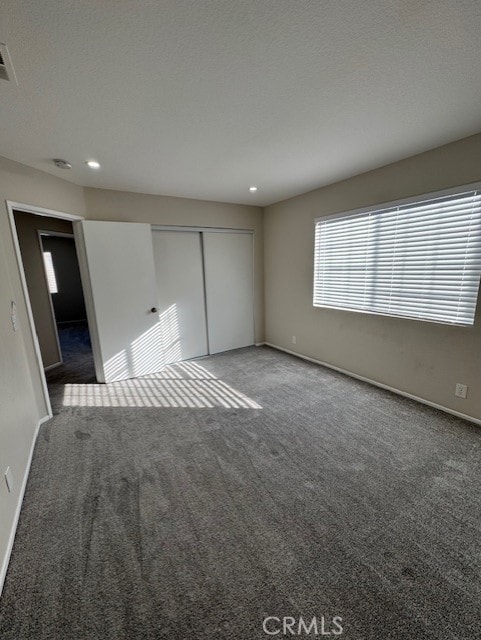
<point x="180" y="292"/>
<point x="228" y="262"/>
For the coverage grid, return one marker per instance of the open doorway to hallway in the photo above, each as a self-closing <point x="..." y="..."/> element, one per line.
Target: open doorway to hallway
<point x="52" y="275"/>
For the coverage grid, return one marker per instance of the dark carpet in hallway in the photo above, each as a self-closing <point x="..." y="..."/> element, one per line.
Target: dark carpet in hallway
<point x="195" y="503"/>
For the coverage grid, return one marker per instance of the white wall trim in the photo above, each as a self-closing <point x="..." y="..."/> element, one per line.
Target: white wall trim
<point x="261" y="344"/>
<point x="56" y="234"/>
<point x="41" y="211"/>
<point x="13" y="530"/>
<point x="53" y="366"/>
<point x="378" y="384"/>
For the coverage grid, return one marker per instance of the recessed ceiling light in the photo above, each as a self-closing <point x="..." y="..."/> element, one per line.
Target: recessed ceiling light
<point x="252" y="189"/>
<point x="93" y="164"/>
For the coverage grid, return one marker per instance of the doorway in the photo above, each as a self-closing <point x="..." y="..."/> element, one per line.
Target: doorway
<point x="52" y="278"/>
<point x="68" y="307"/>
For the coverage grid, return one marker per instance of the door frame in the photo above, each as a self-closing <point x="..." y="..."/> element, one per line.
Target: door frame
<point x="50" y="213"/>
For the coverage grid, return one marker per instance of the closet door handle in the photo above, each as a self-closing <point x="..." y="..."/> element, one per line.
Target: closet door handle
<point x="153" y="310"/>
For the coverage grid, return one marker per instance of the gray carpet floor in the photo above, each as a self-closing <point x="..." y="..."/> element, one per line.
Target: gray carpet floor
<point x="195" y="503"/>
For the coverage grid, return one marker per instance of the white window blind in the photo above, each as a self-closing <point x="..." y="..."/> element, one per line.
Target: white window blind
<point x="419" y="260"/>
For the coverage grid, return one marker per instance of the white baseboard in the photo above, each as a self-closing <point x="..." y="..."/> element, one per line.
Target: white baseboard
<point x="53" y="366"/>
<point x="378" y="384"/>
<point x="260" y="344"/>
<point x="6" y="559"/>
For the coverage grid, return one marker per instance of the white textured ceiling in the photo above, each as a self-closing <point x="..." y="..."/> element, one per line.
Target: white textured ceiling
<point x="202" y="98"/>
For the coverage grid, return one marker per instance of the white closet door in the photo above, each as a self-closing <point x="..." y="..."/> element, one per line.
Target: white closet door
<point x="127" y="339"/>
<point x="228" y="262"/>
<point x="180" y="293"/>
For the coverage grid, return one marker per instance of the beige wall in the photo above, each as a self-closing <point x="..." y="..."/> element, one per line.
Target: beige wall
<point x="420" y="358"/>
<point x="21" y="398"/>
<point x="28" y="226"/>
<point x="103" y="204"/>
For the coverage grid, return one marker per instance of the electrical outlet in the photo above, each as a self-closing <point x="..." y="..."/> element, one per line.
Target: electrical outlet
<point x="294" y="340"/>
<point x="9" y="479"/>
<point x="461" y="390"/>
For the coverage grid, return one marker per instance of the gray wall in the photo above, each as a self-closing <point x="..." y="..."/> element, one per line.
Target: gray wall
<point x="69" y="302"/>
<point x="420" y="358"/>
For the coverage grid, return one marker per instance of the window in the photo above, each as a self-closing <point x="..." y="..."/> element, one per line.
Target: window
<point x="50" y="271"/>
<point x="415" y="260"/>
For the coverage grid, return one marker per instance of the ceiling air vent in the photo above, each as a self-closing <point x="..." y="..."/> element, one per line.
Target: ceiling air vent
<point x="6" y="68"/>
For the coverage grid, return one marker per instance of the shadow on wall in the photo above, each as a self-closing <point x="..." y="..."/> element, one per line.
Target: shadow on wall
<point x="180" y="385"/>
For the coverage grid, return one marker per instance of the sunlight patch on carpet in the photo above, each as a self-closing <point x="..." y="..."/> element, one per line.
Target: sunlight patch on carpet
<point x="180" y="385"/>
